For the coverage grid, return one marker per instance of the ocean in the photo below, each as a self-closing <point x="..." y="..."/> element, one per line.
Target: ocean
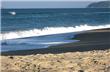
<point x="23" y="29"/>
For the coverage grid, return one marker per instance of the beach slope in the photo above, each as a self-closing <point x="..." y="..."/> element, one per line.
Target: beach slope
<point x="90" y="54"/>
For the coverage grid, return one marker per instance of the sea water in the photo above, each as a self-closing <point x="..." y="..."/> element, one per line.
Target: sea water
<point x="23" y="29"/>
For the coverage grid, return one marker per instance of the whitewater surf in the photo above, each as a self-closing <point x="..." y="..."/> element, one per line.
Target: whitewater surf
<point x="49" y="31"/>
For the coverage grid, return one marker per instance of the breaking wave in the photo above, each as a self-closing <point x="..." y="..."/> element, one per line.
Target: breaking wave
<point x="49" y="31"/>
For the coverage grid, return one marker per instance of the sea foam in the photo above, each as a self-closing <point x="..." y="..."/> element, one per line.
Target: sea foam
<point x="49" y="31"/>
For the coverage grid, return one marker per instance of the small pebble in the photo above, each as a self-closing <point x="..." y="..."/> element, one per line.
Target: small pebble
<point x="80" y="71"/>
<point x="11" y="57"/>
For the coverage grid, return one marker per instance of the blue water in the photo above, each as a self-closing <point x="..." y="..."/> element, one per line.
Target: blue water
<point x="41" y="28"/>
<point x="39" y="18"/>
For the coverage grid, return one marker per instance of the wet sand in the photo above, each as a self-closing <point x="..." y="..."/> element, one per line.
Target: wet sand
<point x="90" y="54"/>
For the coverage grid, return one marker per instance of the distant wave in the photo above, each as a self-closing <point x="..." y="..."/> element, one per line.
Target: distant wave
<point x="49" y="31"/>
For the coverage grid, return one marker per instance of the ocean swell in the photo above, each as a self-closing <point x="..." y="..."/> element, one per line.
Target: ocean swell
<point x="49" y="31"/>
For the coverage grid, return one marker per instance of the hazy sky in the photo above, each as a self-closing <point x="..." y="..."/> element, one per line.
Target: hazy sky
<point x="46" y="3"/>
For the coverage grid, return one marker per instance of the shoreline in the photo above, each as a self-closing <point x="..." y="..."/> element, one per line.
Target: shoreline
<point x="89" y="40"/>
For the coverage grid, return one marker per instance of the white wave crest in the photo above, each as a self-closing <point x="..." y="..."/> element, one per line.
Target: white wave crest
<point x="49" y="31"/>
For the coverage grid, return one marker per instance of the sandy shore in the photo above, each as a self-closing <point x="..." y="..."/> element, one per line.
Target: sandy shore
<point x="90" y="54"/>
<point x="91" y="61"/>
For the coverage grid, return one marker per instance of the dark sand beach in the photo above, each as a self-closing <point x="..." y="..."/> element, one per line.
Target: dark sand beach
<point x="90" y="54"/>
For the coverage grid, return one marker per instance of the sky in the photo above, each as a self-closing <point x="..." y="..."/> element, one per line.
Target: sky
<point x="46" y="3"/>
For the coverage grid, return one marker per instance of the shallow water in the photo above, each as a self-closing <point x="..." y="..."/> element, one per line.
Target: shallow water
<point x="36" y="42"/>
